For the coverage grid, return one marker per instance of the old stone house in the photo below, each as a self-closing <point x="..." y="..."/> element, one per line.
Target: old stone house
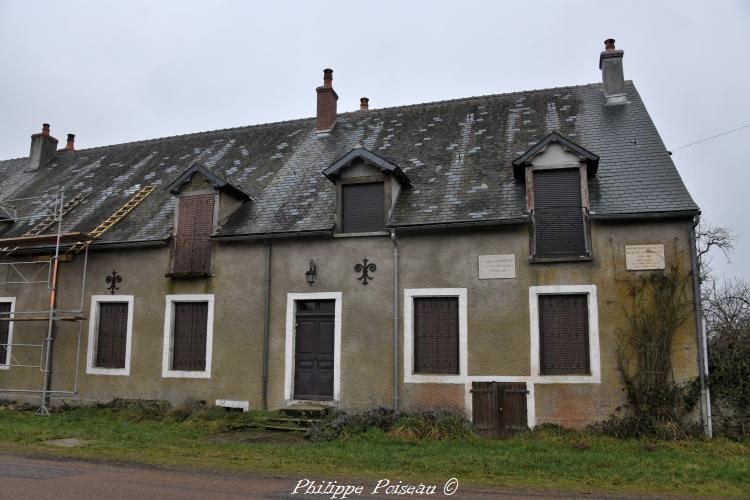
<point x="463" y="253"/>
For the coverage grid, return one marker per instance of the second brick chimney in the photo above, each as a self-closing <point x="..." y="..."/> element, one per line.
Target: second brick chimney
<point x="364" y="104"/>
<point x="70" y="146"/>
<point x="43" y="149"/>
<point x="327" y="99"/>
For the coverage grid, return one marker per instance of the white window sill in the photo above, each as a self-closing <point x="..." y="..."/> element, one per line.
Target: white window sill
<point x="184" y="374"/>
<point x="122" y="372"/>
<point x="416" y="378"/>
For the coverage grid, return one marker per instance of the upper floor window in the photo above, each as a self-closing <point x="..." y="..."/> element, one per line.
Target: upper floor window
<point x="363" y="207"/>
<point x="191" y="250"/>
<point x="556" y="173"/>
<point x="367" y="187"/>
<point x="206" y="200"/>
<point x="559" y="214"/>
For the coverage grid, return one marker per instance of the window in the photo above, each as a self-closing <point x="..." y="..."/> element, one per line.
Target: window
<point x="188" y="336"/>
<point x="110" y="335"/>
<point x="435" y="335"/>
<point x="559" y="229"/>
<point x="564" y="333"/>
<point x="6" y="331"/>
<point x="363" y="207"/>
<point x="191" y="250"/>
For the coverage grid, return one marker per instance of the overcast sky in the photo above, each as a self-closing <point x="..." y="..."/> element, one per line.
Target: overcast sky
<point x="113" y="72"/>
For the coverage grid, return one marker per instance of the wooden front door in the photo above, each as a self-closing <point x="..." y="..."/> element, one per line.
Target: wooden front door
<point x="499" y="408"/>
<point x="313" y="355"/>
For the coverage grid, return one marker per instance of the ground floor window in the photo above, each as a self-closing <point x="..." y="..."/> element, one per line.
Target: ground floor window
<point x="110" y="335"/>
<point x="188" y="336"/>
<point x="6" y="331"/>
<point x="435" y="334"/>
<point x="565" y="332"/>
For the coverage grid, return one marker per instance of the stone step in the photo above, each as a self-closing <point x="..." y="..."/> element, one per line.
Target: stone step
<point x="298" y="421"/>
<point x="305" y="411"/>
<point x="277" y="427"/>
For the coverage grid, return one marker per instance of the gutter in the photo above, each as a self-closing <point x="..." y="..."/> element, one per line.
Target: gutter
<point x="268" y="236"/>
<point x="115" y="245"/>
<point x="700" y="337"/>
<point x="644" y="215"/>
<point x="462" y="224"/>
<point x="266" y="322"/>
<point x="395" y="320"/>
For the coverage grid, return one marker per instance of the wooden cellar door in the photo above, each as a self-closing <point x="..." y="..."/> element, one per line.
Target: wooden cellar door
<point x="499" y="408"/>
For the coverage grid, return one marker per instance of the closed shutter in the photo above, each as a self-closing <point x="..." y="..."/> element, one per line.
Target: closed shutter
<point x="4" y="329"/>
<point x="362" y="207"/>
<point x="192" y="246"/>
<point x="564" y="334"/>
<point x="436" y="335"/>
<point x="111" y="336"/>
<point x="189" y="336"/>
<point x="558" y="214"/>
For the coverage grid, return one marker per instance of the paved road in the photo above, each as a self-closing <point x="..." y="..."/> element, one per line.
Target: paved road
<point x="24" y="478"/>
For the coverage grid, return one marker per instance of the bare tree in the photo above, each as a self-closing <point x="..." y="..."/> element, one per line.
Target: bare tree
<point x="711" y="237"/>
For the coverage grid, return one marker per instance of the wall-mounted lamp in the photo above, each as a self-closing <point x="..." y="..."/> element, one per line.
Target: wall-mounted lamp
<point x="311" y="274"/>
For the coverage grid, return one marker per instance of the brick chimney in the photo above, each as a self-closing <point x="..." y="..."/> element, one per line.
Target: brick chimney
<point x="43" y="149"/>
<point x="70" y="146"/>
<point x="610" y="62"/>
<point x="364" y="104"/>
<point x="327" y="98"/>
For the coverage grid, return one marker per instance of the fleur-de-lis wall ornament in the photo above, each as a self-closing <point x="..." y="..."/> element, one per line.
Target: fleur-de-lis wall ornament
<point x="363" y="268"/>
<point x="113" y="280"/>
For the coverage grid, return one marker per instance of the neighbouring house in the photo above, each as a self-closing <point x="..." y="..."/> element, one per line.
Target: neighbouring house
<point x="471" y="253"/>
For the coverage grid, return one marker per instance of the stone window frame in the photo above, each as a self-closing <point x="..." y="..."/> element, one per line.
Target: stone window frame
<point x="8" y="350"/>
<point x="463" y="345"/>
<point x="594" y="348"/>
<point x="369" y="179"/>
<point x="169" y="310"/>
<point x="91" y="368"/>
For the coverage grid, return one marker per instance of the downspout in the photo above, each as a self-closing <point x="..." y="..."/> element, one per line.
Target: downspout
<point x="700" y="335"/>
<point x="395" y="320"/>
<point x="266" y="322"/>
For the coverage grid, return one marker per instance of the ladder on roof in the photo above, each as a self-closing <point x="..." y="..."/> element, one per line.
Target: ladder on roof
<point x="113" y="219"/>
<point x="49" y="221"/>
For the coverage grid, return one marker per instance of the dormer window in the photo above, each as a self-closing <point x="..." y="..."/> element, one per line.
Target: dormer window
<point x="205" y="200"/>
<point x="363" y="207"/>
<point x="555" y="172"/>
<point x="367" y="187"/>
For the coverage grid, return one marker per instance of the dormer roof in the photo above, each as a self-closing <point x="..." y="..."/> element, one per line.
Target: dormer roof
<point x="519" y="164"/>
<point x="215" y="178"/>
<point x="388" y="168"/>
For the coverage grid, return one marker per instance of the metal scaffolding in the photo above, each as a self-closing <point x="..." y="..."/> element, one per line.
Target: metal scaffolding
<point x="35" y="272"/>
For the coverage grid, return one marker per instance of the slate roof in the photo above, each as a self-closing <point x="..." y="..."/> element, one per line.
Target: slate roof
<point x="458" y="155"/>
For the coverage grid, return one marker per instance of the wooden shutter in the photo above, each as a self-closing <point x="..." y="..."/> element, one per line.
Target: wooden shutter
<point x="558" y="214"/>
<point x="111" y="335"/>
<point x="564" y="334"/>
<point x="4" y="331"/>
<point x="189" y="336"/>
<point x="362" y="207"/>
<point x="192" y="246"/>
<point x="436" y="335"/>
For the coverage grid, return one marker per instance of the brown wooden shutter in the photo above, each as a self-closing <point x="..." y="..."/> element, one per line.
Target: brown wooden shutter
<point x="111" y="336"/>
<point x="192" y="246"/>
<point x="558" y="214"/>
<point x="4" y="331"/>
<point x="189" y="336"/>
<point x="436" y="335"/>
<point x="362" y="207"/>
<point x="564" y="334"/>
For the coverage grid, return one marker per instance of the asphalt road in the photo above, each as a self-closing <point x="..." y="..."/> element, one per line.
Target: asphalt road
<point x="25" y="478"/>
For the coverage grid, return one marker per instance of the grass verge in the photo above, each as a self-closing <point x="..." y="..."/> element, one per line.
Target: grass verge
<point x="543" y="459"/>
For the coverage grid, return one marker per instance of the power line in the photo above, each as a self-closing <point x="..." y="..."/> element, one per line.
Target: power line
<point x="712" y="137"/>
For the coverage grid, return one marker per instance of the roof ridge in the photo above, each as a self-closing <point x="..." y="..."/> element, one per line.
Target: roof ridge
<point x="355" y="112"/>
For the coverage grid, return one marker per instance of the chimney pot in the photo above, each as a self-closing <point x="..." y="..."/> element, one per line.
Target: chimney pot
<point x="364" y="104"/>
<point x="70" y="146"/>
<point x="327" y="98"/>
<point x="613" y="80"/>
<point x="45" y="128"/>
